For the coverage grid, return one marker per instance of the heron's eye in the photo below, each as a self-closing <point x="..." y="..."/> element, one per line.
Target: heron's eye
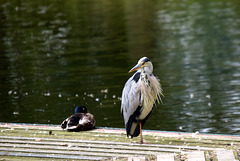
<point x="143" y="63"/>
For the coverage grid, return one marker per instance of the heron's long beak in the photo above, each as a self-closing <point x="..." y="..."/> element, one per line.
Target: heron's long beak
<point x="136" y="67"/>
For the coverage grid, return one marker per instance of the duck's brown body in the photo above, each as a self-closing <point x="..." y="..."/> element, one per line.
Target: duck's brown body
<point x="79" y="122"/>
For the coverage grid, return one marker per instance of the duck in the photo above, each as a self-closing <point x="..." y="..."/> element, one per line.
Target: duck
<point x="81" y="120"/>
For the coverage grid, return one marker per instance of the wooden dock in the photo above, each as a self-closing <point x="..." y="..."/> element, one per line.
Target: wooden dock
<point x="49" y="142"/>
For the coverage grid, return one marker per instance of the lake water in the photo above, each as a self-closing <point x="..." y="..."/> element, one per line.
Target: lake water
<point x="55" y="55"/>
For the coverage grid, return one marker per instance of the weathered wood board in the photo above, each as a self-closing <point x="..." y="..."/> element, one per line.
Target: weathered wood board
<point x="43" y="142"/>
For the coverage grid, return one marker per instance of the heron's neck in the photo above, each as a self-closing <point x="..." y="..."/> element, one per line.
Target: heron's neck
<point x="145" y="73"/>
<point x="146" y="70"/>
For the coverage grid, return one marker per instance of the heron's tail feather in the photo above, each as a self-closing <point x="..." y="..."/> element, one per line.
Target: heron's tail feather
<point x="132" y="126"/>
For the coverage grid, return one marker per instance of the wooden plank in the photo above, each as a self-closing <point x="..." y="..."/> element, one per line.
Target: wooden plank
<point x="165" y="157"/>
<point x="51" y="156"/>
<point x="130" y="145"/>
<point x="120" y="131"/>
<point x="139" y="158"/>
<point x="35" y="141"/>
<point x="99" y="152"/>
<point x="209" y="138"/>
<point x="125" y="149"/>
<point x="66" y="152"/>
<point x="196" y="156"/>
<point x="225" y="155"/>
<point x="138" y="150"/>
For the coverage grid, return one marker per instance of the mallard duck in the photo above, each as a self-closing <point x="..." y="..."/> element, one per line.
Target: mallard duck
<point x="80" y="121"/>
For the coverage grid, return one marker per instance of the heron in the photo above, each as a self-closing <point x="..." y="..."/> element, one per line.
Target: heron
<point x="80" y="121"/>
<point x="141" y="92"/>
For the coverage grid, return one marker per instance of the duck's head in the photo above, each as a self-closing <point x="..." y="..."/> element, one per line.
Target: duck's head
<point x="80" y="109"/>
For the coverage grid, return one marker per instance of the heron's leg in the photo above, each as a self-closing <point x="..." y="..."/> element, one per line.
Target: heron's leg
<point x="140" y="126"/>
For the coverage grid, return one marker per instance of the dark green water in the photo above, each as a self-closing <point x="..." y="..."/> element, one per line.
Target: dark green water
<point x="57" y="54"/>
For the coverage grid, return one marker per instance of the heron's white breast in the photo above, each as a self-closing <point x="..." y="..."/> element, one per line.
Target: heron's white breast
<point x="145" y="112"/>
<point x="149" y="95"/>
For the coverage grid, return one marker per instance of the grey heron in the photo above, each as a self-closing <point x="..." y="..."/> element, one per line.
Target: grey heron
<point x="80" y="121"/>
<point x="139" y="95"/>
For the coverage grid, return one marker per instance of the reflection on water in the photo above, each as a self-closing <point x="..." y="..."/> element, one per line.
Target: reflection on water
<point x="56" y="55"/>
<point x="202" y="41"/>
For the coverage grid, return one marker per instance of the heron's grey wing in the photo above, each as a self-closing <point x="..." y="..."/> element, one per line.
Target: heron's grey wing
<point x="130" y="97"/>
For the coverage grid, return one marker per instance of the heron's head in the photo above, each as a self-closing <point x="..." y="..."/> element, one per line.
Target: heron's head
<point x="80" y="109"/>
<point x="143" y="62"/>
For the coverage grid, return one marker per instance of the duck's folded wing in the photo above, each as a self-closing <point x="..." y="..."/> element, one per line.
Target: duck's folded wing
<point x="87" y="120"/>
<point x="71" y="121"/>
